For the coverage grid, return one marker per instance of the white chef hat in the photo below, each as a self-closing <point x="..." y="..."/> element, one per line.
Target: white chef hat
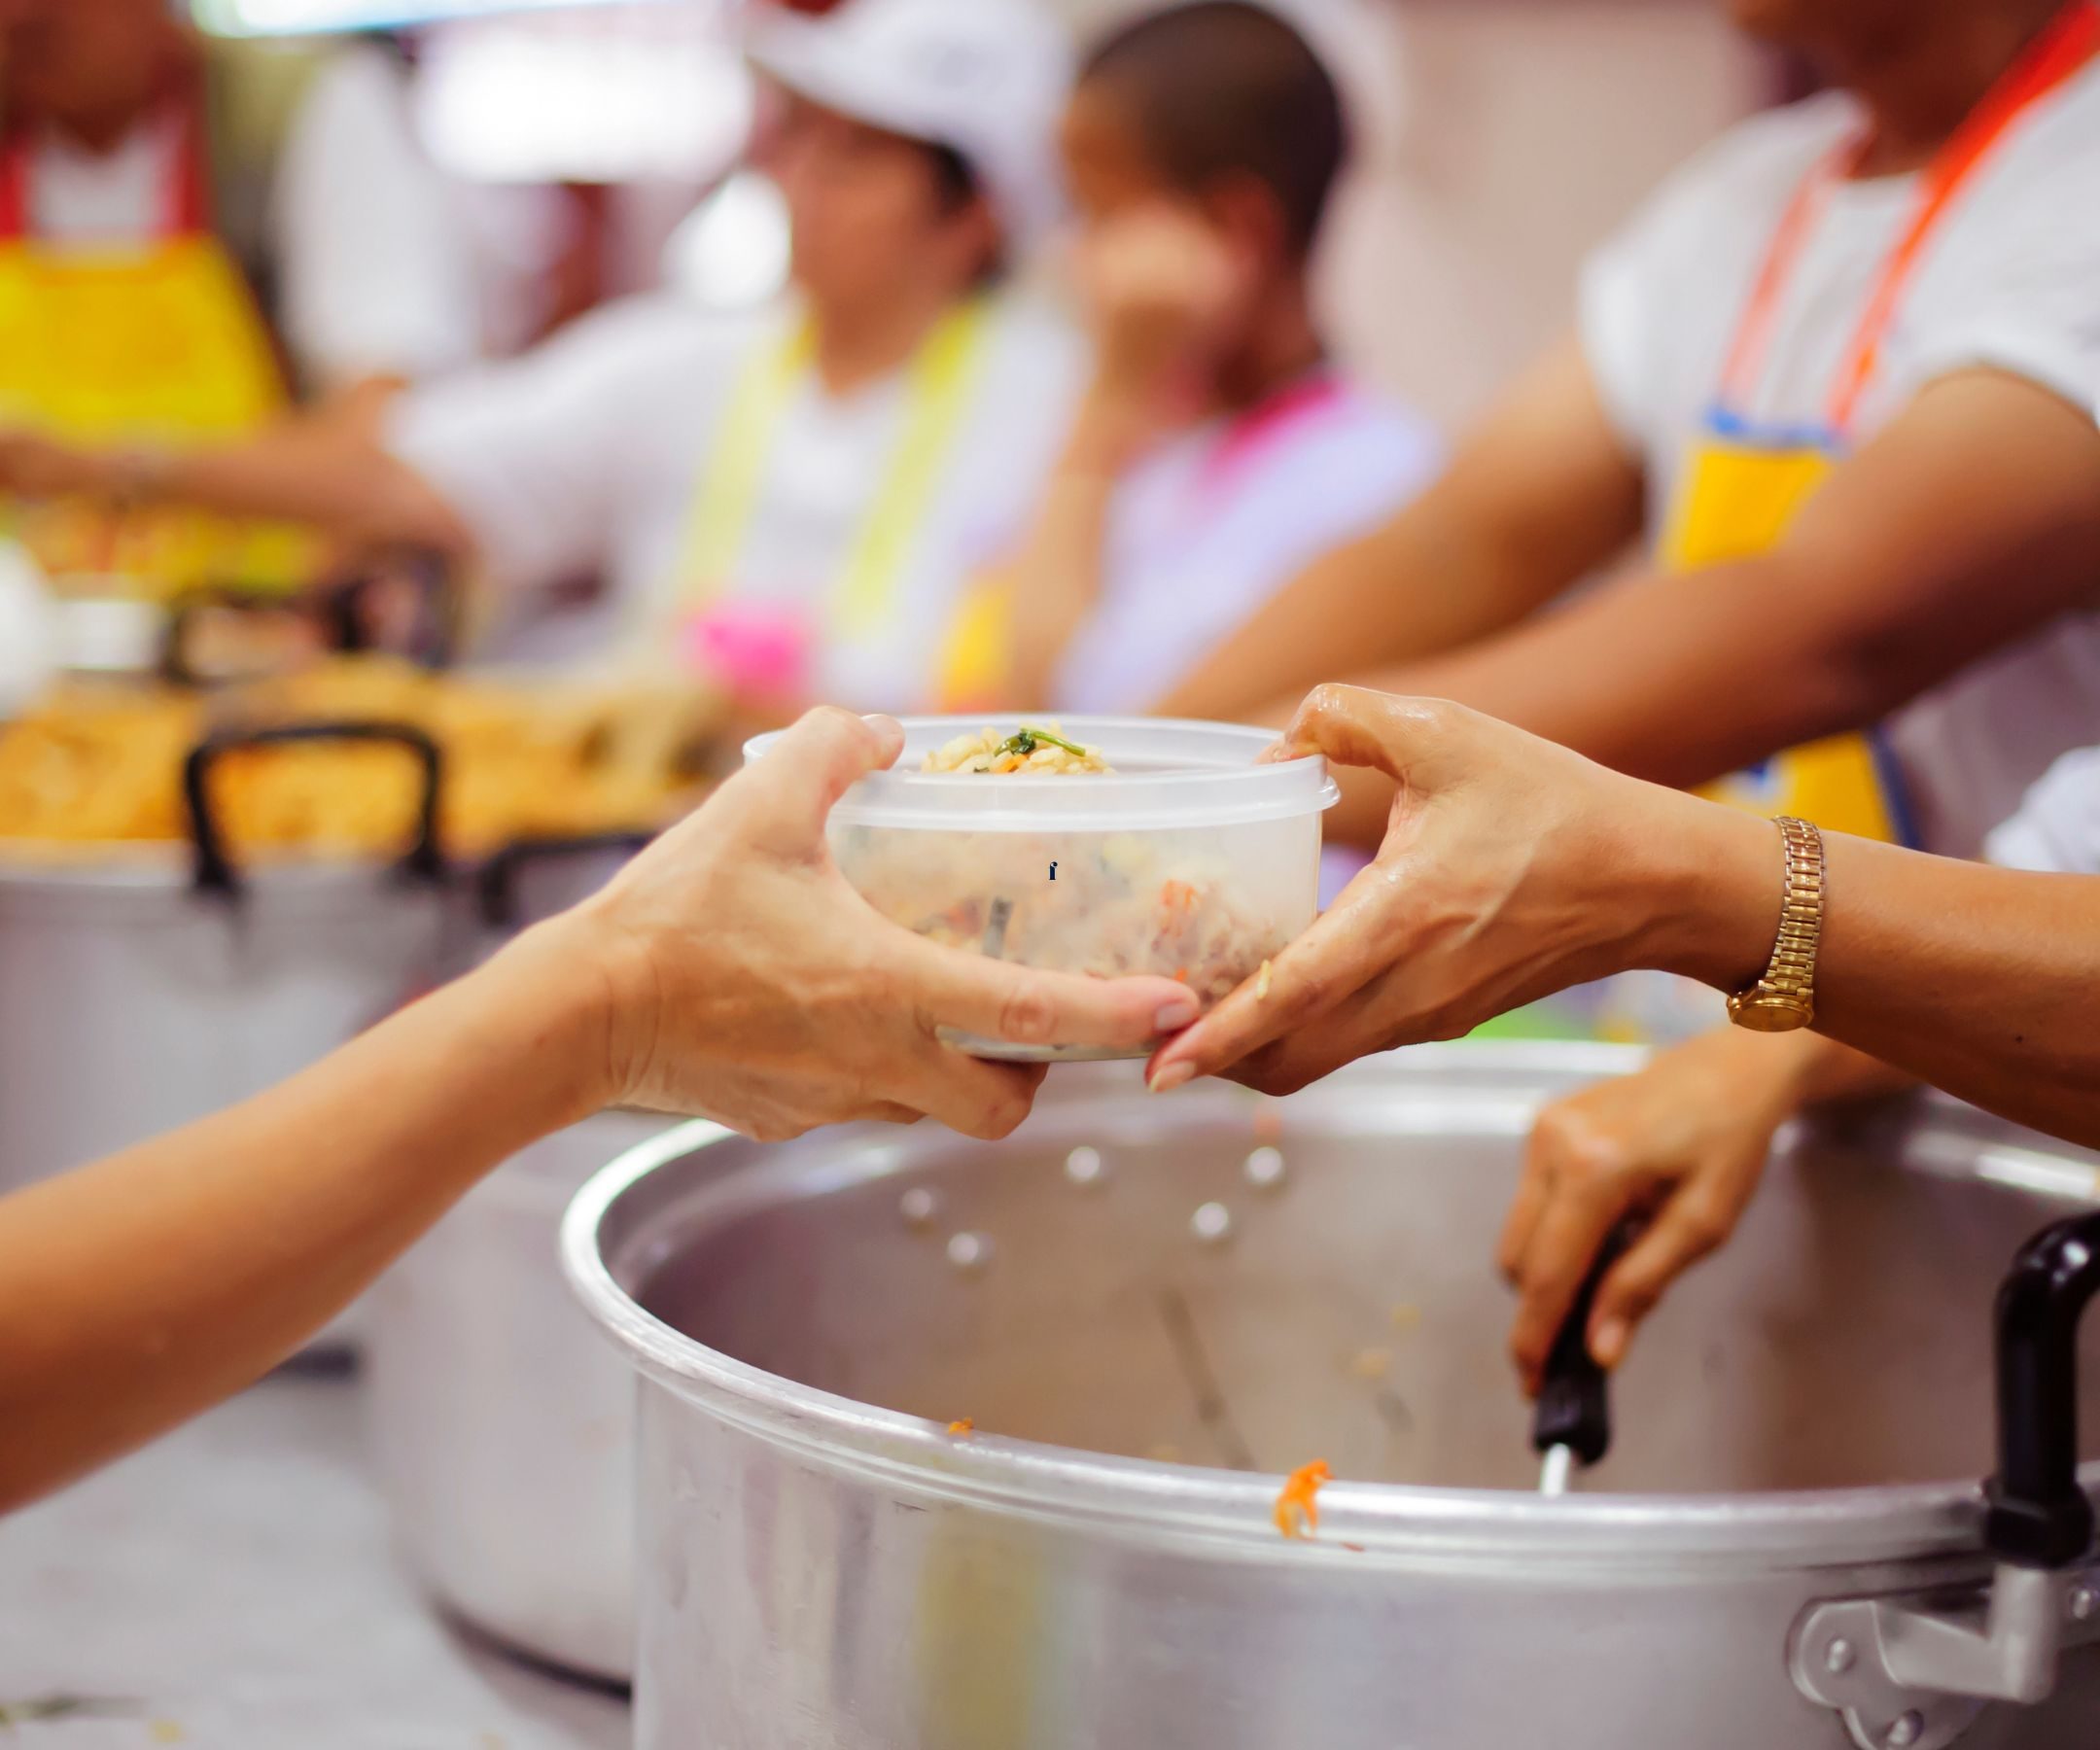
<point x="987" y="78"/>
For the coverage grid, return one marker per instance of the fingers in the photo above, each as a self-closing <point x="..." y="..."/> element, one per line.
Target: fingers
<point x="814" y="764"/>
<point x="1337" y="957"/>
<point x="1575" y="1222"/>
<point x="998" y="1000"/>
<point x="1691" y="1225"/>
<point x="1355" y="725"/>
<point x="1534" y="1191"/>
<point x="969" y="1096"/>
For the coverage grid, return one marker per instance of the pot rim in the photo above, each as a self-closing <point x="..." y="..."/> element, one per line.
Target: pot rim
<point x="1157" y="1504"/>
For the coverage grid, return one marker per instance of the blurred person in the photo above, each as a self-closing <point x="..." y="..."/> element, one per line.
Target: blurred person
<point x="1839" y="375"/>
<point x="729" y="973"/>
<point x="1682" y="1143"/>
<point x="1218" y="448"/>
<point x="127" y="304"/>
<point x="792" y="502"/>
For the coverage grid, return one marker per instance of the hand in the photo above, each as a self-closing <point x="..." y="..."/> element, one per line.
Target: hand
<point x="1511" y="868"/>
<point x="1682" y="1143"/>
<point x="1156" y="280"/>
<point x="745" y="981"/>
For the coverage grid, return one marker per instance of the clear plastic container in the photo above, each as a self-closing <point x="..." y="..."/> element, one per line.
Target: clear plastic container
<point x="1188" y="860"/>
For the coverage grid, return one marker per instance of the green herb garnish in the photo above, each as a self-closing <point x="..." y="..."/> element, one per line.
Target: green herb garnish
<point x="1024" y="743"/>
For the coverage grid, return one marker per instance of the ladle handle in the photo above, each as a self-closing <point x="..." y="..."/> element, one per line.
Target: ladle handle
<point x="1574" y="1401"/>
<point x="2039" y="1517"/>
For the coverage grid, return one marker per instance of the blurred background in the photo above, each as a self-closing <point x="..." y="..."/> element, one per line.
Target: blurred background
<point x="1501" y="140"/>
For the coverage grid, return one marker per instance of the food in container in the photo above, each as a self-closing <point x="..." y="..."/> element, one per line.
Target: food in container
<point x="1105" y="846"/>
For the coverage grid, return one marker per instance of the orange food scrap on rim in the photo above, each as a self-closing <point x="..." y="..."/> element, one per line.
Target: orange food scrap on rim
<point x="1297" y="1507"/>
<point x="966" y="1426"/>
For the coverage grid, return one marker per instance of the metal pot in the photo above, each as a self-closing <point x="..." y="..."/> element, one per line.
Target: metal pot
<point x="827" y="1566"/>
<point x="503" y="1423"/>
<point x="145" y="990"/>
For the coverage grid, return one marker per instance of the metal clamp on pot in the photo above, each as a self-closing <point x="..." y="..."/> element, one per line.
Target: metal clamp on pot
<point x="215" y="872"/>
<point x="1912" y="1673"/>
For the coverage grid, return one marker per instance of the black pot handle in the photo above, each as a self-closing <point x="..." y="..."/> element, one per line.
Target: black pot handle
<point x="2039" y="1516"/>
<point x="215" y="872"/>
<point x="497" y="885"/>
<point x="1574" y="1401"/>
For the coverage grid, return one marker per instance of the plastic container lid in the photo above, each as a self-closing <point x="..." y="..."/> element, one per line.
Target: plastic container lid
<point x="1168" y="772"/>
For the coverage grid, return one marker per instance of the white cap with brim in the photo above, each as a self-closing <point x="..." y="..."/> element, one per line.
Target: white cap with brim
<point x="988" y="77"/>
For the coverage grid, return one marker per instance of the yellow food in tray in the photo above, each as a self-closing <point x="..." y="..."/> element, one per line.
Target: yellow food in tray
<point x="90" y="768"/>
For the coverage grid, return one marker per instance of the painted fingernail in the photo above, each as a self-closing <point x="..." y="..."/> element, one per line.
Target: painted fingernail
<point x="1609" y="1348"/>
<point x="1171" y="1077"/>
<point x="1175" y="1015"/>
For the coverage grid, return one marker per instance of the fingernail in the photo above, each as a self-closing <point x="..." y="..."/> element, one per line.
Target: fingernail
<point x="1175" y="1015"/>
<point x="1173" y="1075"/>
<point x="1609" y="1348"/>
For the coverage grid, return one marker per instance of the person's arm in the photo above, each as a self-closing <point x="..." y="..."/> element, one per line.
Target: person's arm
<point x="327" y="470"/>
<point x="1513" y="867"/>
<point x="1973" y="519"/>
<point x="1542" y="494"/>
<point x="1681" y="1143"/>
<point x="729" y="971"/>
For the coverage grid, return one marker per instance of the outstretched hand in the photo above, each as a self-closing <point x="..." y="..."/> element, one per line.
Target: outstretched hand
<point x="747" y="981"/>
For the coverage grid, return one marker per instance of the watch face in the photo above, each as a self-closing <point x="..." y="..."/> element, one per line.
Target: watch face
<point x="1762" y="1013"/>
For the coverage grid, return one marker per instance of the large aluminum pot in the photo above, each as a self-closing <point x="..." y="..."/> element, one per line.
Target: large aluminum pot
<point x="825" y="1566"/>
<point x="503" y="1423"/>
<point x="157" y="984"/>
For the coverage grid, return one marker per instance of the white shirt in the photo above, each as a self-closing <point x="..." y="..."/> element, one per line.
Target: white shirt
<point x="585" y="455"/>
<point x="377" y="271"/>
<point x="1214" y="523"/>
<point x="2057" y="830"/>
<point x="2010" y="280"/>
<point x="94" y="200"/>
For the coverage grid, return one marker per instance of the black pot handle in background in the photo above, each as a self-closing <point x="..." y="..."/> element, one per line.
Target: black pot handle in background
<point x="215" y="872"/>
<point x="496" y="888"/>
<point x="1574" y="1401"/>
<point x="2039" y="1516"/>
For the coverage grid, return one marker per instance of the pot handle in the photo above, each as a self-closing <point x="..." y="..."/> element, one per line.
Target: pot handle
<point x="496" y="888"/>
<point x="1574" y="1401"/>
<point x="215" y="872"/>
<point x="1922" y="1667"/>
<point x="2039" y="1517"/>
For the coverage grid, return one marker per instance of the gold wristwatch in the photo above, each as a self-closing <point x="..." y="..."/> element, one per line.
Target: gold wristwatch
<point x="1784" y="998"/>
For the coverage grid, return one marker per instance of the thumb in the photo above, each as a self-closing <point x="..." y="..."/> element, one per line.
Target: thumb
<point x="802" y="776"/>
<point x="1416" y="741"/>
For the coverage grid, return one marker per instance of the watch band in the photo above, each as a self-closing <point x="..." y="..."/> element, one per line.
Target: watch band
<point x="1784" y="998"/>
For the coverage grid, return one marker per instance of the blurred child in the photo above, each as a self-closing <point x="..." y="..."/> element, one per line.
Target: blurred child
<point x="1218" y="448"/>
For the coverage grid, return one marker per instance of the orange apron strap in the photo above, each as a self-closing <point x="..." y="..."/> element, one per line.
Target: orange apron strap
<point x="2064" y="48"/>
<point x="187" y="202"/>
<point x="14" y="188"/>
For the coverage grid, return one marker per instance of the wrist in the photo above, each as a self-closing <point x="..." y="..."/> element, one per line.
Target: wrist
<point x="570" y="984"/>
<point x="1712" y="888"/>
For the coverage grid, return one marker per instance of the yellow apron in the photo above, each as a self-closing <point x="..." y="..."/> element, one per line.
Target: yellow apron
<point x="943" y="379"/>
<point x="157" y="342"/>
<point x="1742" y="484"/>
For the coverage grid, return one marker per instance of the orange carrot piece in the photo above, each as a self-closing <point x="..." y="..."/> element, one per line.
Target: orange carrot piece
<point x="1297" y="1507"/>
